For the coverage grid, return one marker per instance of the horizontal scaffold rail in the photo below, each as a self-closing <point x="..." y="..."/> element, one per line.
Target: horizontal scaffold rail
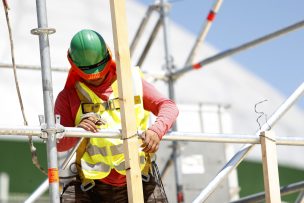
<point x="285" y="190"/>
<point x="172" y="136"/>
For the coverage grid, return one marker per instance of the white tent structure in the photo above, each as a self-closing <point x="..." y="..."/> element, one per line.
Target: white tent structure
<point x="224" y="83"/>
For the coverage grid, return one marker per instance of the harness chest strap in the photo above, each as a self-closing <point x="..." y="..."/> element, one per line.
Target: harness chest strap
<point x="112" y="104"/>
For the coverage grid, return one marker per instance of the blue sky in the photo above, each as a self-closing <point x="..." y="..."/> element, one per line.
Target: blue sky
<point x="279" y="61"/>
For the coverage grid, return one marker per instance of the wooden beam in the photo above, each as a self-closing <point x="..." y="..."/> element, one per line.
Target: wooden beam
<point x="124" y="79"/>
<point x="270" y="167"/>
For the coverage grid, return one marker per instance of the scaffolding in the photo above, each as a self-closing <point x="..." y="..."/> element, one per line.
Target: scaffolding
<point x="199" y="137"/>
<point x="51" y="130"/>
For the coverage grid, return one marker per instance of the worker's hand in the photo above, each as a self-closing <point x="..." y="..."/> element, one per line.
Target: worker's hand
<point x="150" y="141"/>
<point x="90" y="121"/>
<point x="88" y="124"/>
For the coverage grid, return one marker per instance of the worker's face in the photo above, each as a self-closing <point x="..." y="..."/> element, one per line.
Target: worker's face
<point x="96" y="82"/>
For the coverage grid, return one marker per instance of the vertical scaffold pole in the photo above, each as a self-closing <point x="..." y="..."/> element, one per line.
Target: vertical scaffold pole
<point x="169" y="68"/>
<point x="43" y="31"/>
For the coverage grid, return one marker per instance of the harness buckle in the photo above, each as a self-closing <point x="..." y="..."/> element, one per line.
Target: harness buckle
<point x="145" y="178"/>
<point x="113" y="104"/>
<point x="85" y="186"/>
<point x="108" y="105"/>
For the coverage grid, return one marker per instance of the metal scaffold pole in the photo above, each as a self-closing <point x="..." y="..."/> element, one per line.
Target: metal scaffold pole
<point x="43" y="31"/>
<point x="172" y="136"/>
<point x="205" y="29"/>
<point x="240" y="155"/>
<point x="140" y="30"/>
<point x="169" y="67"/>
<point x="285" y="190"/>
<point x="238" y="49"/>
<point x="149" y="42"/>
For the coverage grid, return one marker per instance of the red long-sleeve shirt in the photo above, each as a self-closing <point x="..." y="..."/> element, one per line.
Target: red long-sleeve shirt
<point x="165" y="110"/>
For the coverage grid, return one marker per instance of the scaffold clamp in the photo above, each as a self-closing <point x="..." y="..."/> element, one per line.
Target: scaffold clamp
<point x="58" y="130"/>
<point x="39" y="31"/>
<point x="59" y="127"/>
<point x="43" y="127"/>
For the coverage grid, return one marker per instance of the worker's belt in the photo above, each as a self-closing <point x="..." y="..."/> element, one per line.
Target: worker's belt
<point x="112" y="104"/>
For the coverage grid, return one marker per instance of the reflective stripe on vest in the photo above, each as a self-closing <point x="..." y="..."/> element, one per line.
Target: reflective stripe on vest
<point x="105" y="168"/>
<point x="104" y="154"/>
<point x="94" y="150"/>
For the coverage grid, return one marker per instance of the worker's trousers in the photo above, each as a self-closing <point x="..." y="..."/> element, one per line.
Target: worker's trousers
<point x="104" y="193"/>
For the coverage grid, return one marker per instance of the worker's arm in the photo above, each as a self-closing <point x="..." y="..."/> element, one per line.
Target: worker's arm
<point x="165" y="111"/>
<point x="63" y="107"/>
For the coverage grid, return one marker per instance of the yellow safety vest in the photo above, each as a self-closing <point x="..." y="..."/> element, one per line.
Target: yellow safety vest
<point x="103" y="154"/>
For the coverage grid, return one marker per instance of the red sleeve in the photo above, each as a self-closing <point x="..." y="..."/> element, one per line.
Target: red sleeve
<point x="65" y="109"/>
<point x="163" y="108"/>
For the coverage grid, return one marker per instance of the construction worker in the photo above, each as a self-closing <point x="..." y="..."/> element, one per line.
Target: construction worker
<point x="89" y="100"/>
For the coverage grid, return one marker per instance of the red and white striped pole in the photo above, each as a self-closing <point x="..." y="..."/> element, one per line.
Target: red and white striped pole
<point x="206" y="27"/>
<point x="237" y="49"/>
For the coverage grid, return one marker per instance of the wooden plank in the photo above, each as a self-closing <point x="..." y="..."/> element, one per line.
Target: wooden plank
<point x="270" y="167"/>
<point x="124" y="79"/>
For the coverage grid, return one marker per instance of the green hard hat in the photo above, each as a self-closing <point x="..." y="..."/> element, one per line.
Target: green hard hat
<point x="88" y="51"/>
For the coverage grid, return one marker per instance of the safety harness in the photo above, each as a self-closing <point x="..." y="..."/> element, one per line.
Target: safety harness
<point x="96" y="157"/>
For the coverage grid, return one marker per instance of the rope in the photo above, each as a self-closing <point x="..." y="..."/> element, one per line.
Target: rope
<point x="32" y="147"/>
<point x="159" y="180"/>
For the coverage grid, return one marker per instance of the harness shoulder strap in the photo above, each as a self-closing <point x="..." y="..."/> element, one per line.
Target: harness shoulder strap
<point x="86" y="183"/>
<point x="82" y="94"/>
